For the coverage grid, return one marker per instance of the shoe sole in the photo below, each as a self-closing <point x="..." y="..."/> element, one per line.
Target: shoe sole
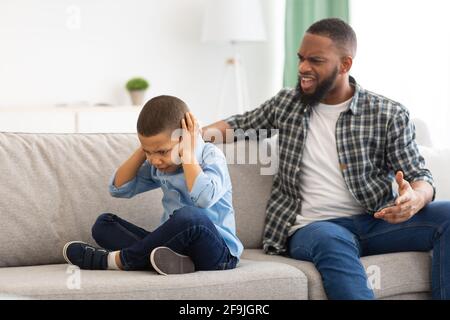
<point x="65" y="250"/>
<point x="170" y="262"/>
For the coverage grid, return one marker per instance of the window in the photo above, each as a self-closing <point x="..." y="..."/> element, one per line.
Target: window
<point x="404" y="54"/>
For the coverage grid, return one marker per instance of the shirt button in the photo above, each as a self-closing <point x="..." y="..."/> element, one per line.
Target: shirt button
<point x="343" y="166"/>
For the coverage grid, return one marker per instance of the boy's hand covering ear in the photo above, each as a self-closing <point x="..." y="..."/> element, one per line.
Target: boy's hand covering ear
<point x="190" y="128"/>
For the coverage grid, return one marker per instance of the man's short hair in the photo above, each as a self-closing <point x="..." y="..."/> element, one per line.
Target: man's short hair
<point x="160" y="114"/>
<point x="340" y="32"/>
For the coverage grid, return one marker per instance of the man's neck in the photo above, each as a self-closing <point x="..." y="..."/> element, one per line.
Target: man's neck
<point x="340" y="93"/>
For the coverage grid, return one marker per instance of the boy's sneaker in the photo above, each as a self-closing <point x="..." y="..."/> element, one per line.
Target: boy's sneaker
<point x="85" y="256"/>
<point x="166" y="261"/>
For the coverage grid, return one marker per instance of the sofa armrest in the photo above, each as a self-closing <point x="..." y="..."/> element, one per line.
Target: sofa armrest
<point x="423" y="135"/>
<point x="437" y="161"/>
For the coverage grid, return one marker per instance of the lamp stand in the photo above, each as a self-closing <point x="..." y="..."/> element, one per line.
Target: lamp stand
<point x="234" y="66"/>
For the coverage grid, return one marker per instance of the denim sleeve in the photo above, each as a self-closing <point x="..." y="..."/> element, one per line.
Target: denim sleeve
<point x="402" y="151"/>
<point x="213" y="182"/>
<point x="144" y="181"/>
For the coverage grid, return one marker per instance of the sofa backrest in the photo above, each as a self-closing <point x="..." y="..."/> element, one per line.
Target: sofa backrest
<point x="53" y="187"/>
<point x="252" y="183"/>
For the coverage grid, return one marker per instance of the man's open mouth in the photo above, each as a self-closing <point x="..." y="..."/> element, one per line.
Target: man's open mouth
<point x="307" y="82"/>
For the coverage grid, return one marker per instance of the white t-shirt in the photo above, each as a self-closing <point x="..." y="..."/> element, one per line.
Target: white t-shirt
<point x="323" y="190"/>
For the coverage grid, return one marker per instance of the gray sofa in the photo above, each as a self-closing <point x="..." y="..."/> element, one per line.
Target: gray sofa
<point x="55" y="185"/>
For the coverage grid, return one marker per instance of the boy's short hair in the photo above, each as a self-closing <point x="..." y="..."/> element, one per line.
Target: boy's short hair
<point x="160" y="114"/>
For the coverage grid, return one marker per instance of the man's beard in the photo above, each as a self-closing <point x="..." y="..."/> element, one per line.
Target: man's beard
<point x="321" y="91"/>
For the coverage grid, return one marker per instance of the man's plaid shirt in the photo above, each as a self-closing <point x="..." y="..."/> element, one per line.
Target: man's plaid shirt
<point x="374" y="139"/>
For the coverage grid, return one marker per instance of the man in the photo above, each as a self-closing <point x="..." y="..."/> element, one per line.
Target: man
<point x="341" y="148"/>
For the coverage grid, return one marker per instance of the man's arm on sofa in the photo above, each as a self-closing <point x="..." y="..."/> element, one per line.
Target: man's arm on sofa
<point x="263" y="117"/>
<point x="219" y="129"/>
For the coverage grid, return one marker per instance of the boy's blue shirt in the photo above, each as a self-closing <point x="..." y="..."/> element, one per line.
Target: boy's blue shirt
<point x="212" y="191"/>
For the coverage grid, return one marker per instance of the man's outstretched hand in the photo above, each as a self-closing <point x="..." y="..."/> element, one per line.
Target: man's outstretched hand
<point x="407" y="204"/>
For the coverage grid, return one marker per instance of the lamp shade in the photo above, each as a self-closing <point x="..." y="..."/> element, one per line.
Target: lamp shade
<point x="233" y="21"/>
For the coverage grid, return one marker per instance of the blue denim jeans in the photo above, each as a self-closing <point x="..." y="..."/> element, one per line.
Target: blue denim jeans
<point x="188" y="231"/>
<point x="335" y="246"/>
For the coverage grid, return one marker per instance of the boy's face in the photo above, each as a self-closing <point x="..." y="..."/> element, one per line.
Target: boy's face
<point x="159" y="149"/>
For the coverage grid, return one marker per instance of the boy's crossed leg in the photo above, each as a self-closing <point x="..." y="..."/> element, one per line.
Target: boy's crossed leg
<point x="188" y="241"/>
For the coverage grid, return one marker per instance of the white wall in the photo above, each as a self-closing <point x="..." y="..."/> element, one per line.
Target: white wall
<point x="404" y="54"/>
<point x="50" y="56"/>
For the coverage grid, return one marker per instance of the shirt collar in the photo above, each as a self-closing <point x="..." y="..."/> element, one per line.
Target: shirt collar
<point x="355" y="107"/>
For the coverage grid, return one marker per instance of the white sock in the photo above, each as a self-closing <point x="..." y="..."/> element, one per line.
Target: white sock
<point x="112" y="265"/>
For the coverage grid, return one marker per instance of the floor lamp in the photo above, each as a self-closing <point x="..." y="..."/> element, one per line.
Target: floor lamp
<point x="233" y="22"/>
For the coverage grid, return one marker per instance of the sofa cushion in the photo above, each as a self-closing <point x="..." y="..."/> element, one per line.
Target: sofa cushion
<point x="402" y="273"/>
<point x="250" y="280"/>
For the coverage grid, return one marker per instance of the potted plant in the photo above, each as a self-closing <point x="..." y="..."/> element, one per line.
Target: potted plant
<point x="137" y="87"/>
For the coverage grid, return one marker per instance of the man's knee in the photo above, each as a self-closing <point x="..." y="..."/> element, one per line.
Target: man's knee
<point x="435" y="212"/>
<point x="331" y="237"/>
<point x="442" y="207"/>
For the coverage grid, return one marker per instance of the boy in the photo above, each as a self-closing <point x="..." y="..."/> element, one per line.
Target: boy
<point x="197" y="230"/>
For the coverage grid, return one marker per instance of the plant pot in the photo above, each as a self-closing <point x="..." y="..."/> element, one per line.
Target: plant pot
<point x="137" y="97"/>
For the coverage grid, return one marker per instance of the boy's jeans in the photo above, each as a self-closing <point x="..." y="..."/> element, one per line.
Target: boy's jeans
<point x="188" y="231"/>
<point x="335" y="245"/>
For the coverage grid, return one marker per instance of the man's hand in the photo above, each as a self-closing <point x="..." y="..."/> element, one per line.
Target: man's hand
<point x="188" y="140"/>
<point x="408" y="203"/>
<point x="218" y="132"/>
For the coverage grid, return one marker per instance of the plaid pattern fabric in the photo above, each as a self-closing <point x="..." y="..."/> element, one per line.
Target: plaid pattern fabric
<point x="374" y="137"/>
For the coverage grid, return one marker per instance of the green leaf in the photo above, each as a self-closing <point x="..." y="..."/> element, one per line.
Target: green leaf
<point x="137" y="84"/>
